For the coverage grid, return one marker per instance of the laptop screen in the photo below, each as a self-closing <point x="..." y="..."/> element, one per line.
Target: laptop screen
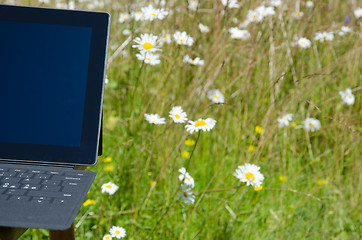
<point x="45" y="77"/>
<point x="52" y="68"/>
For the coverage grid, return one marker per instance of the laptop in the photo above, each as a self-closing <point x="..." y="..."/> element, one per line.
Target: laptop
<point x="52" y="70"/>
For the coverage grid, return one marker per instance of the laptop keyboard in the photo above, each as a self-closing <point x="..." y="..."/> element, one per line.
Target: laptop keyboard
<point x="40" y="186"/>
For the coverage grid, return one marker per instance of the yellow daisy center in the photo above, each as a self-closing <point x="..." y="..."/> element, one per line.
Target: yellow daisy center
<point x="165" y="36"/>
<point x="216" y="96"/>
<point x="117" y="232"/>
<point x="177" y="116"/>
<point x="148" y="59"/>
<point x="250" y="176"/>
<point x="181" y="40"/>
<point x="200" y="123"/>
<point x="109" y="186"/>
<point x="107" y="237"/>
<point x="154" y="14"/>
<point x="153" y="121"/>
<point x="147" y="45"/>
<point x="185" y="194"/>
<point x="311" y="124"/>
<point x="187" y="178"/>
<point x="298" y="13"/>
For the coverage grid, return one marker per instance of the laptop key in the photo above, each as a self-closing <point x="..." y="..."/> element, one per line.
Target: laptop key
<point x="31" y="181"/>
<point x="26" y="175"/>
<point x="20" y="199"/>
<point x="10" y="180"/>
<point x="35" y="193"/>
<point x="42" y="176"/>
<point x="30" y="186"/>
<point x="51" y="188"/>
<point x="17" y="192"/>
<point x="51" y="182"/>
<point x="70" y="189"/>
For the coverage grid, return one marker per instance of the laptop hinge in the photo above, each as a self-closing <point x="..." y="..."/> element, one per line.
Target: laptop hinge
<point x="20" y="162"/>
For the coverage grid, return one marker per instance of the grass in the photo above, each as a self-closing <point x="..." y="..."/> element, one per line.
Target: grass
<point x="262" y="78"/>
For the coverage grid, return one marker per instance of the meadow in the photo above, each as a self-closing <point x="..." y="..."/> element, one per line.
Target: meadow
<point x="263" y="68"/>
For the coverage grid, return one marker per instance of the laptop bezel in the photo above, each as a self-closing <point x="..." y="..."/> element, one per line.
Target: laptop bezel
<point x="86" y="154"/>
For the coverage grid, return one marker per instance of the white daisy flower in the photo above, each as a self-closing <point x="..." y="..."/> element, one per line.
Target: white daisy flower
<point x="137" y="16"/>
<point x="117" y="232"/>
<point x="193" y="4"/>
<point x="196" y="61"/>
<point x="324" y="36"/>
<point x="309" y="4"/>
<point x="250" y="174"/>
<point x="275" y="3"/>
<point x="284" y="121"/>
<point x="178" y="115"/>
<point x="107" y="237"/>
<point x="154" y="119"/>
<point x="265" y="11"/>
<point x="230" y="3"/>
<point x="203" y="28"/>
<point x="304" y="43"/>
<point x="344" y="30"/>
<point x="312" y="124"/>
<point x="358" y="13"/>
<point x="298" y="15"/>
<point x="254" y="16"/>
<point x="237" y="33"/>
<point x="109" y="188"/>
<point x="126" y="32"/>
<point x="187" y="195"/>
<point x="147" y="42"/>
<point x="186" y="177"/>
<point x="215" y="96"/>
<point x="182" y="38"/>
<point x="200" y="124"/>
<point x="347" y="96"/>
<point x="165" y="38"/>
<point x="150" y="13"/>
<point x="148" y="58"/>
<point x="123" y="17"/>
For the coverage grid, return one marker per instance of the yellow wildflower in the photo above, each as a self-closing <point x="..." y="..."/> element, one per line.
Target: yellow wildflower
<point x="251" y="148"/>
<point x="258" y="188"/>
<point x="107" y="159"/>
<point x="189" y="142"/>
<point x="293" y="124"/>
<point x="109" y="168"/>
<point x="89" y="202"/>
<point x="322" y="182"/>
<point x="259" y="129"/>
<point x="283" y="178"/>
<point x="185" y="154"/>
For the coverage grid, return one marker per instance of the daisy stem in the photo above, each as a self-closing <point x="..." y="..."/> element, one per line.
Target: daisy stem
<point x="193" y="150"/>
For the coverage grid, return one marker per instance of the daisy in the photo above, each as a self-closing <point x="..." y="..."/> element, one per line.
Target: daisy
<point x="284" y="121"/>
<point x="165" y="38"/>
<point x="178" y="115"/>
<point x="147" y="42"/>
<point x="186" y="177"/>
<point x="193" y="4"/>
<point x="344" y="30"/>
<point x="123" y="17"/>
<point x="324" y="36"/>
<point x="215" y="96"/>
<point x="265" y="11"/>
<point x="237" y="33"/>
<point x="137" y="16"/>
<point x="148" y="58"/>
<point x="250" y="174"/>
<point x="150" y="13"/>
<point x="309" y="4"/>
<point x="117" y="232"/>
<point x="196" y="61"/>
<point x="298" y="15"/>
<point x="154" y="119"/>
<point x="253" y="16"/>
<point x="107" y="237"/>
<point x="304" y="43"/>
<point x="347" y="96"/>
<point x="203" y="28"/>
<point x="182" y="38"/>
<point x="126" y="32"/>
<point x="358" y="12"/>
<point x="275" y="3"/>
<point x="312" y="124"/>
<point x="109" y="188"/>
<point x="200" y="124"/>
<point x="230" y="3"/>
<point x="187" y="195"/>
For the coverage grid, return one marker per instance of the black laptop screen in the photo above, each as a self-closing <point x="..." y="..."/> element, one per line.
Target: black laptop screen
<point x="43" y="82"/>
